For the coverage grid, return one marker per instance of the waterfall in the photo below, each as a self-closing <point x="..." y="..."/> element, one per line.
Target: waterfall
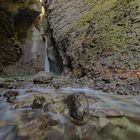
<point x="47" y="65"/>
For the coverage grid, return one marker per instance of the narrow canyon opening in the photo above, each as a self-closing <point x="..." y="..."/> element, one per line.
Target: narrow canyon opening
<point x="53" y="61"/>
<point x="69" y="70"/>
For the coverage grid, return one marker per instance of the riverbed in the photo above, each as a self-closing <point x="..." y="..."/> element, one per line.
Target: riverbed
<point x="39" y="112"/>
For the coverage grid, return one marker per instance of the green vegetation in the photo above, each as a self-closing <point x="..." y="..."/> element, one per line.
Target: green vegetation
<point x="112" y="21"/>
<point x="17" y="76"/>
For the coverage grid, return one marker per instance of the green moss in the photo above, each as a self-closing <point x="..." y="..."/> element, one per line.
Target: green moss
<point x="111" y="21"/>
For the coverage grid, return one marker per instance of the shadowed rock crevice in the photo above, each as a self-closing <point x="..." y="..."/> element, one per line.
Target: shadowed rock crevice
<point x="55" y="60"/>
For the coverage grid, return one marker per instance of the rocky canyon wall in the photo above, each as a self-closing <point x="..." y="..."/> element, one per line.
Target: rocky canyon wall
<point x="99" y="39"/>
<point x="21" y="43"/>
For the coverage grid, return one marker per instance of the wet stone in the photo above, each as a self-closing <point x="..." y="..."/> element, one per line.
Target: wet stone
<point x="108" y="113"/>
<point x="47" y="106"/>
<point x="71" y="132"/>
<point x="52" y="122"/>
<point x="88" y="131"/>
<point x="59" y="107"/>
<point x="38" y="102"/>
<point x="55" y="107"/>
<point x="2" y="83"/>
<point x="78" y="108"/>
<point x="15" y="106"/>
<point x="103" y="122"/>
<point x="56" y="85"/>
<point x="10" y="95"/>
<point x="54" y="135"/>
<point x="42" y="78"/>
<point x="73" y="105"/>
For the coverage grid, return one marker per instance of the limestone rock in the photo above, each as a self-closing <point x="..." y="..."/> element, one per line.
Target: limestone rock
<point x="43" y="78"/>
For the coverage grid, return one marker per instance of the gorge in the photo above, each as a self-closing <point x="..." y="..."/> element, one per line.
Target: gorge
<point x="69" y="69"/>
<point x="47" y="65"/>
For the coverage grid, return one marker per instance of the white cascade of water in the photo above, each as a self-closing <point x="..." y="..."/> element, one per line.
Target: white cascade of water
<point x="47" y="65"/>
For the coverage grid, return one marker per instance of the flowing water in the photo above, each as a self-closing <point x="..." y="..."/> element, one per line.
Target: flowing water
<point x="110" y="116"/>
<point x="47" y="65"/>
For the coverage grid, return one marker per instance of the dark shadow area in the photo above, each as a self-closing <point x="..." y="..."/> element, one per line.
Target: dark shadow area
<point x="55" y="60"/>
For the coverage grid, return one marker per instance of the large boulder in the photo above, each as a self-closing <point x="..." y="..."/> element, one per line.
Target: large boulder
<point x="43" y="78"/>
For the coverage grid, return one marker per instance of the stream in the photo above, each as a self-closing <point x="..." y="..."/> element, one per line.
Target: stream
<point x="52" y="107"/>
<point x="47" y="65"/>
<point x="109" y="116"/>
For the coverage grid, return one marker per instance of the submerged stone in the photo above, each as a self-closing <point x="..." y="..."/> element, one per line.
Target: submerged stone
<point x="54" y="135"/>
<point x="2" y="85"/>
<point x="10" y="95"/>
<point x="54" y="107"/>
<point x="38" y="102"/>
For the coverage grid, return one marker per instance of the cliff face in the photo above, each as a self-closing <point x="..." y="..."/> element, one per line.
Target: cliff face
<point x="17" y="35"/>
<point x="99" y="39"/>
